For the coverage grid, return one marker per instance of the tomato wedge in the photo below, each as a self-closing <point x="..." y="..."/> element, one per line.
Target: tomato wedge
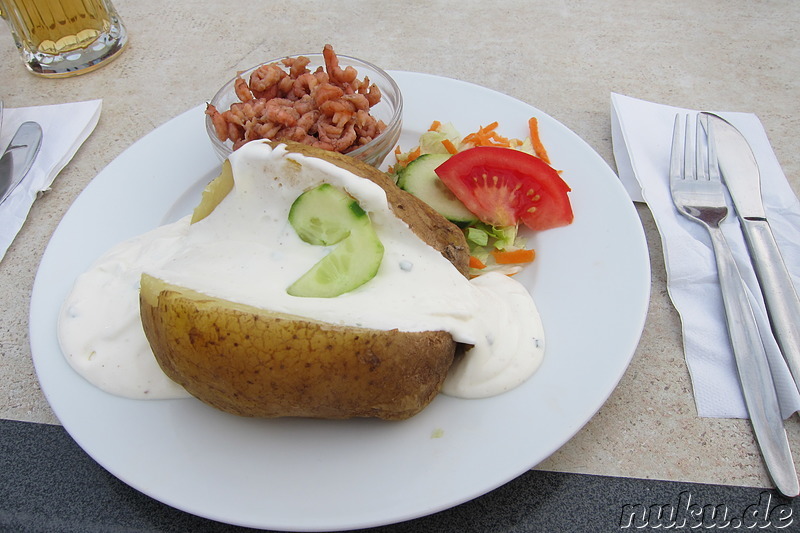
<point x="503" y="186"/>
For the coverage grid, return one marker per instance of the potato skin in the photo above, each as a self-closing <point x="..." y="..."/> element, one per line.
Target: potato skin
<point x="253" y="362"/>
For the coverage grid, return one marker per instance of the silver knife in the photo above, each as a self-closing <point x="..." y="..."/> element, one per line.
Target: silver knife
<point x="18" y="158"/>
<point x="741" y="175"/>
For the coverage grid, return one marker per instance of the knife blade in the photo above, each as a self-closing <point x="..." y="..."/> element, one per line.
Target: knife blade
<point x="18" y="157"/>
<point x="741" y="174"/>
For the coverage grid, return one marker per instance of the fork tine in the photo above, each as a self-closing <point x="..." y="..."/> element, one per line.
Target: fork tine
<point x="706" y="152"/>
<point x="701" y="152"/>
<point x="689" y="153"/>
<point x="676" y="157"/>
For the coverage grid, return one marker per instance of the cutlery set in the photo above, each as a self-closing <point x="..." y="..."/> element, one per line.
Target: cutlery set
<point x="703" y="164"/>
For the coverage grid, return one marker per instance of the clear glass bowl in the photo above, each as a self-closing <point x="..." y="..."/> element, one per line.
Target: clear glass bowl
<point x="389" y="109"/>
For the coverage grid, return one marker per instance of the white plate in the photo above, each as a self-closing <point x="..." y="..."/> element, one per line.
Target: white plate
<point x="590" y="280"/>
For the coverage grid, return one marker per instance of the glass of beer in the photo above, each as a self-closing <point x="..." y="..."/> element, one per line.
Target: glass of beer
<point x="60" y="38"/>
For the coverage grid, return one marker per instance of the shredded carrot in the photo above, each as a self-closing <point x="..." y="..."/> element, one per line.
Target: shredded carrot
<point x="448" y="144"/>
<point x="477" y="137"/>
<point x="513" y="257"/>
<point x="403" y="162"/>
<point x="487" y="136"/>
<point x="499" y="140"/>
<point x="435" y="126"/>
<point x="474" y="262"/>
<point x="538" y="147"/>
<point x="415" y="153"/>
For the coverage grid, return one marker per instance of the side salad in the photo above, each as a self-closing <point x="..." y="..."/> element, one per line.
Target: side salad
<point x="487" y="184"/>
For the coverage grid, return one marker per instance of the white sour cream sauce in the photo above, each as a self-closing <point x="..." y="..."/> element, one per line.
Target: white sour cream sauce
<point x="246" y="251"/>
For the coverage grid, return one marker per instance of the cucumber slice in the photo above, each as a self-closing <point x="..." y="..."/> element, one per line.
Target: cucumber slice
<point x="420" y="179"/>
<point x="352" y="263"/>
<point x="325" y="216"/>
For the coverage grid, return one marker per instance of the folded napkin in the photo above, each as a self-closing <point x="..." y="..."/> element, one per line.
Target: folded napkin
<point x="65" y="128"/>
<point x="642" y="138"/>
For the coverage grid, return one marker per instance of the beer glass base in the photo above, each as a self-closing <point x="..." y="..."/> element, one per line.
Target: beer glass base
<point x="107" y="47"/>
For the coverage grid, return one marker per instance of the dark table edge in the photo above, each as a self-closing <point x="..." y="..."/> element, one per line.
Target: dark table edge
<point x="48" y="483"/>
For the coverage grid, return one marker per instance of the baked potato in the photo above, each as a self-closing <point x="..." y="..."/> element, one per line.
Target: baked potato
<point x="255" y="362"/>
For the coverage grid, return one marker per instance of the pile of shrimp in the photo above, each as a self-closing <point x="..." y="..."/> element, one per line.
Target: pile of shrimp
<point x="328" y="108"/>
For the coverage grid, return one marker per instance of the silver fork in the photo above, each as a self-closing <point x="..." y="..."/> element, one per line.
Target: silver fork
<point x="698" y="194"/>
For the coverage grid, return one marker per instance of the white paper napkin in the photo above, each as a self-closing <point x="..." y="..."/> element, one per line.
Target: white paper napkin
<point x="65" y="127"/>
<point x="642" y="137"/>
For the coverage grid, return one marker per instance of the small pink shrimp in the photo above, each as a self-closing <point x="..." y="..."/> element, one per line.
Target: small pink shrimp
<point x="280" y="110"/>
<point x="219" y="122"/>
<point x="305" y="104"/>
<point x="326" y="92"/>
<point x="297" y="66"/>
<point x="285" y="87"/>
<point x="293" y="133"/>
<point x="328" y="132"/>
<point x="346" y="140"/>
<point x="368" y="127"/>
<point x="322" y="76"/>
<point x="359" y="101"/>
<point x="304" y="85"/>
<point x="241" y="112"/>
<point x="308" y="120"/>
<point x="265" y="77"/>
<point x="334" y="70"/>
<point x="267" y="130"/>
<point x="235" y="133"/>
<point x="325" y="145"/>
<point x="332" y="107"/>
<point x="374" y="95"/>
<point x="242" y="90"/>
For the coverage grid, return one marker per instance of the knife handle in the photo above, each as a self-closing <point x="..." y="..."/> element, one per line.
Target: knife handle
<point x="753" y="369"/>
<point x="780" y="296"/>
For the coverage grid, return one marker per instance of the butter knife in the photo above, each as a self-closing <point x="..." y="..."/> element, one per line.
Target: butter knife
<point x="741" y="175"/>
<point x="18" y="158"/>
